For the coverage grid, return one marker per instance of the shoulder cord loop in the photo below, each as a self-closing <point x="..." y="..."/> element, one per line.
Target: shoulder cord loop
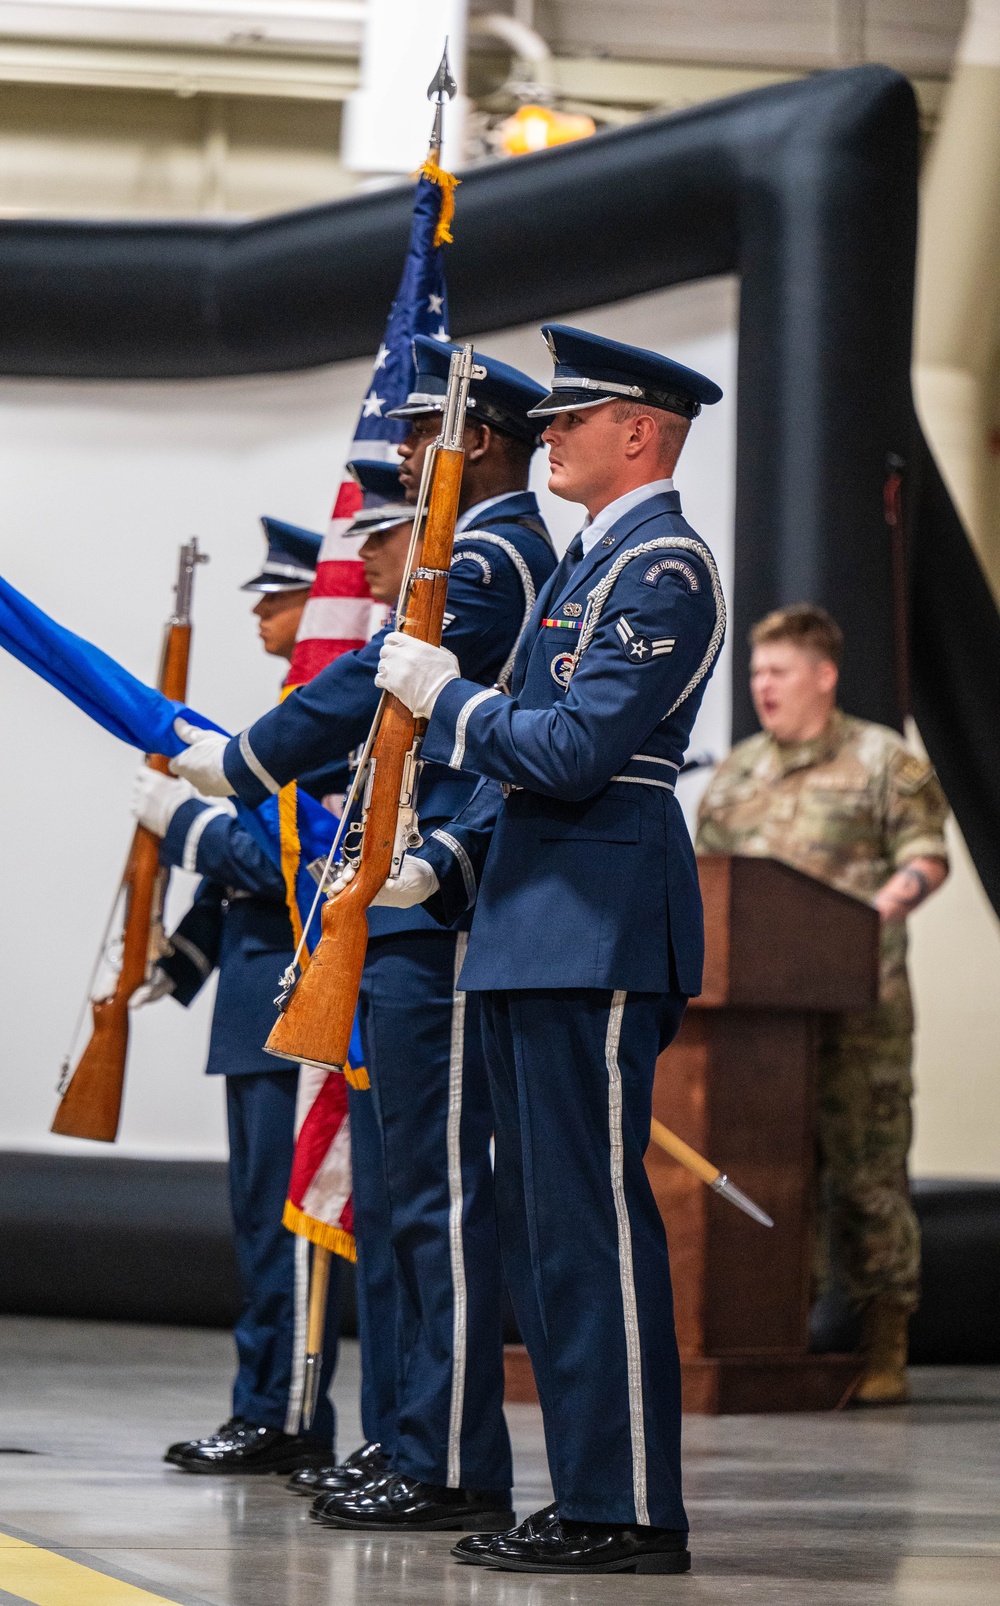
<point x="601" y="592"/>
<point x="527" y="584"/>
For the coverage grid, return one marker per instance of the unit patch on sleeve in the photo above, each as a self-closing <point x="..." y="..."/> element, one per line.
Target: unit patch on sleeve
<point x="672" y="566"/>
<point x="468" y="556"/>
<point x="642" y="649"/>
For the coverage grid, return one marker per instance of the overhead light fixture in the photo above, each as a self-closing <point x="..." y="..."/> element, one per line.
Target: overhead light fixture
<point x="536" y="128"/>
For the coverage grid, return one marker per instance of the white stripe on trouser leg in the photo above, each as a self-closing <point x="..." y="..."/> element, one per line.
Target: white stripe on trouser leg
<point x="633" y="1349"/>
<point x="311" y="1080"/>
<point x="301" y="1307"/>
<point x="456" y="1242"/>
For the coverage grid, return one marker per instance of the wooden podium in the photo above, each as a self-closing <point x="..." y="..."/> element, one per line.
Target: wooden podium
<point x="738" y="1084"/>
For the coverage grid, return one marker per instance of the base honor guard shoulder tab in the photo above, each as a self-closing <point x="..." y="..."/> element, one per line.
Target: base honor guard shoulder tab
<point x="677" y="566"/>
<point x="482" y="563"/>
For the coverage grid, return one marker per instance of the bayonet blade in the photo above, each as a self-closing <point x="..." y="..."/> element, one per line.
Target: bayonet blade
<point x="310" y="1390"/>
<point x="730" y="1191"/>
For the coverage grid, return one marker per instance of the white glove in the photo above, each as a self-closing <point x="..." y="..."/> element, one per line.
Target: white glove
<point x="156" y="799"/>
<point x="415" y="883"/>
<point x="159" y="985"/>
<point x="202" y="763"/>
<point x="415" y="672"/>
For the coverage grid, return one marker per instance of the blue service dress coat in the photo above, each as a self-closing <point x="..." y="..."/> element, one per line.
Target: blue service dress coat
<point x="500" y="563"/>
<point x="575" y="849"/>
<point x="238" y="924"/>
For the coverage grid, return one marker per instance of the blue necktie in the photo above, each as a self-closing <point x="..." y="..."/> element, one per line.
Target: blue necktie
<point x="573" y="555"/>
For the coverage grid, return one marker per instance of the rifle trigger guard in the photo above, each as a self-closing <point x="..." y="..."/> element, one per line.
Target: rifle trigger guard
<point x="407" y="824"/>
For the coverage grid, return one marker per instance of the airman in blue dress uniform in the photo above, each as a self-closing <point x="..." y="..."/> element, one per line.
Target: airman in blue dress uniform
<point x="239" y="925"/>
<point x="586" y="942"/>
<point x="451" y="1461"/>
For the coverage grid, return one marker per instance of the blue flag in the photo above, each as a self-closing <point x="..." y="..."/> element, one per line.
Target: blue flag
<point x="420" y="308"/>
<point x="143" y="717"/>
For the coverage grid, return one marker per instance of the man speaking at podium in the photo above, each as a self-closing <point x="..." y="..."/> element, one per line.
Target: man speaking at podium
<point x="845" y="801"/>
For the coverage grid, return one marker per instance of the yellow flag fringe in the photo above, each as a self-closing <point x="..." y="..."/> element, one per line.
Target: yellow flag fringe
<point x="448" y="184"/>
<point x="335" y="1239"/>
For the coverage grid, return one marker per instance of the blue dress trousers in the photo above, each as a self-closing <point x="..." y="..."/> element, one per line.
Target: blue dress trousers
<point x="239" y="925"/>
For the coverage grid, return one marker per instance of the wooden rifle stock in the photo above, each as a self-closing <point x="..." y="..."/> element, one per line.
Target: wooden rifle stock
<point x="91" y="1105"/>
<point x="315" y="1029"/>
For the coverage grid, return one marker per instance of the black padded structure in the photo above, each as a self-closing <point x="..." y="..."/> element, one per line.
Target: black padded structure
<point x="958" y="1322"/>
<point x="807" y="191"/>
<point x="125" y="1240"/>
<point x="151" y="1241"/>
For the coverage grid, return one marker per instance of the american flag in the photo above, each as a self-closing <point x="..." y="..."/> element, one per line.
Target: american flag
<point x="340" y="615"/>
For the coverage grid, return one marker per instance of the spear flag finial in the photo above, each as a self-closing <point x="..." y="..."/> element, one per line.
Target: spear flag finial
<point x="442" y="87"/>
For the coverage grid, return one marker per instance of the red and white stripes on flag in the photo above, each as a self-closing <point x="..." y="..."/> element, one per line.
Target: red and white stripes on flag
<point x="320" y="1206"/>
<point x="339" y="614"/>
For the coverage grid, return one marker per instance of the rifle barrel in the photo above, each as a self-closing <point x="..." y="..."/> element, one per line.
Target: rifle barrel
<point x="90" y="1106"/>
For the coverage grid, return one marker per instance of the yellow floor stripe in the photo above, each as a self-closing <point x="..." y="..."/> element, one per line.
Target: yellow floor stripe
<point x="45" y="1579"/>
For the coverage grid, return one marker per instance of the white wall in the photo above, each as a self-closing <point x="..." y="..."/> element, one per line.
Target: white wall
<point x="98" y="485"/>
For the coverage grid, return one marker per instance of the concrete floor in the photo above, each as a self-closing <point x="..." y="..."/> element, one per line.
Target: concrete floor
<point x="896" y="1508"/>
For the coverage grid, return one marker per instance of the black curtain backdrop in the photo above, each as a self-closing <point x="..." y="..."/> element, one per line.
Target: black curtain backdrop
<point x="807" y="191"/>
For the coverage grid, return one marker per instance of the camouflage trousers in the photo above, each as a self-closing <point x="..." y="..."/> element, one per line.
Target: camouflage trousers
<point x="865" y="1221"/>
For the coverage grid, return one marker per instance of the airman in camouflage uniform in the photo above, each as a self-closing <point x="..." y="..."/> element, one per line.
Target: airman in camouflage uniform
<point x="851" y="807"/>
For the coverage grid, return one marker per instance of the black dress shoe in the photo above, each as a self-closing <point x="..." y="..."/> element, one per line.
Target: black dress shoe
<point x="184" y="1447"/>
<point x="331" y="1498"/>
<point x="244" y="1447"/>
<point x="367" y="1462"/>
<point x="589" y="1547"/>
<point x="404" y="1505"/>
<point x="475" y="1548"/>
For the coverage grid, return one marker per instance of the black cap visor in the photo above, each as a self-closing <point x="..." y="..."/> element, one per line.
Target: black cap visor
<point x="567" y="399"/>
<point x="269" y="583"/>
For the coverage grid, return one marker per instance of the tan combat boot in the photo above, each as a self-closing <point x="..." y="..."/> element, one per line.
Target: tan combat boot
<point x="883" y="1349"/>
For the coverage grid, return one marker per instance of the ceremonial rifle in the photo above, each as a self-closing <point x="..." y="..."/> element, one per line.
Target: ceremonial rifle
<point x="317" y="1012"/>
<point x="90" y="1105"/>
<point x="316" y="1023"/>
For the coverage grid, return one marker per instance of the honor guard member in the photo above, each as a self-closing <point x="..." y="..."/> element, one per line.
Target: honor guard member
<point x="586" y="942"/>
<point x="451" y="1466"/>
<point x="845" y="801"/>
<point x="239" y="925"/>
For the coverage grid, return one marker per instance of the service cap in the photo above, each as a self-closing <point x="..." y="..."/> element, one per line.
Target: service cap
<point x="591" y="370"/>
<point x="292" y="555"/>
<point x="383" y="501"/>
<point x="503" y="399"/>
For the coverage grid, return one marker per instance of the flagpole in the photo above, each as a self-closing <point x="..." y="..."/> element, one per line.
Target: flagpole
<point x="704" y="1169"/>
<point x="319" y="1286"/>
<point x="441" y="88"/>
